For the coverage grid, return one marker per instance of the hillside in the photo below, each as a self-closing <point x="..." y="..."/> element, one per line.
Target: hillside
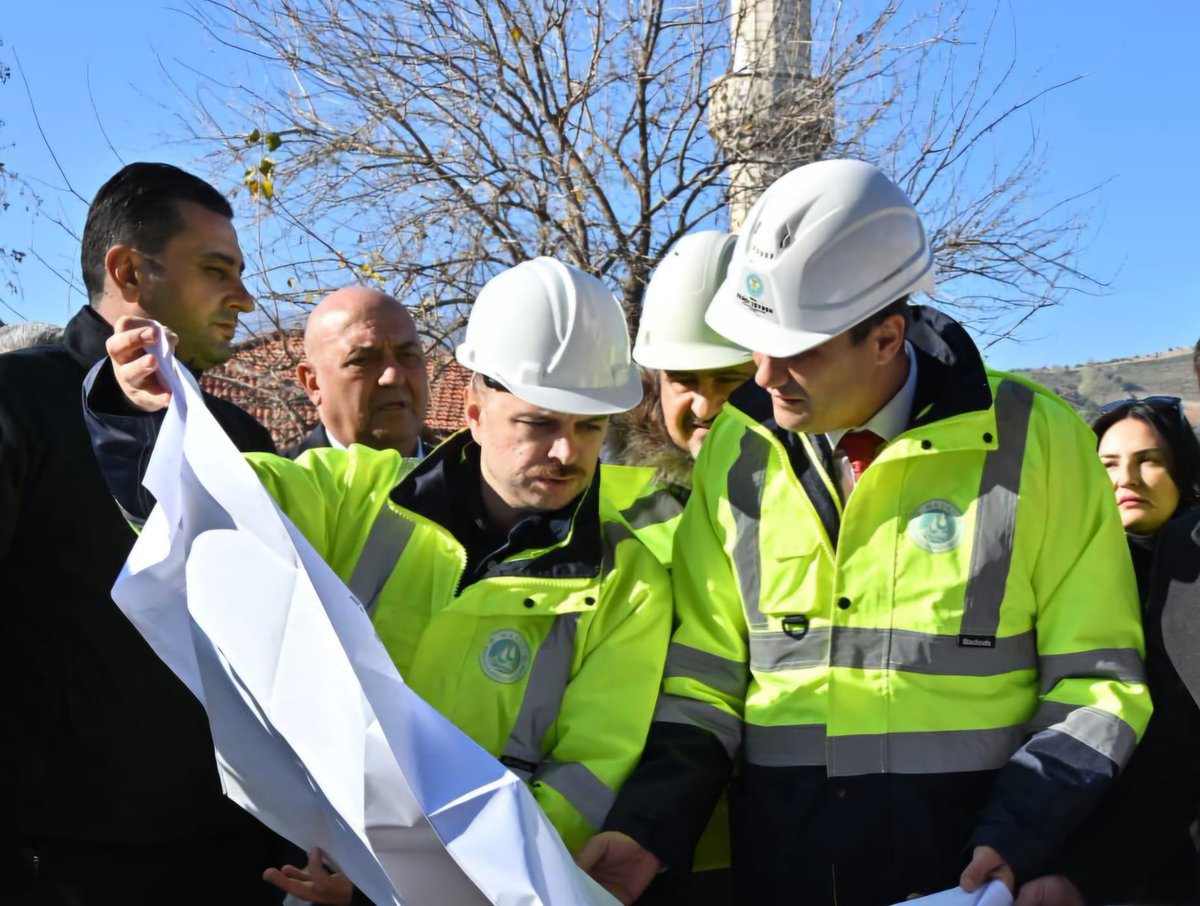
<point x="1087" y="387"/>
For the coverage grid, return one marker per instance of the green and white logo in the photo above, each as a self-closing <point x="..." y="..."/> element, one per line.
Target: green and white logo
<point x="936" y="526"/>
<point x="505" y="658"/>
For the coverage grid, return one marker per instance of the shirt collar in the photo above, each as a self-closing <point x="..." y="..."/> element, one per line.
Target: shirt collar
<point x="420" y="453"/>
<point x="333" y="441"/>
<point x="893" y="417"/>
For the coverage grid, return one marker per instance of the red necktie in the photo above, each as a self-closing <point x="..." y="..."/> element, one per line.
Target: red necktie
<point x="860" y="448"/>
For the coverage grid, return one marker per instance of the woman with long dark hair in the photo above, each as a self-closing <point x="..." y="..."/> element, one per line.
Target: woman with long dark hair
<point x="1153" y="458"/>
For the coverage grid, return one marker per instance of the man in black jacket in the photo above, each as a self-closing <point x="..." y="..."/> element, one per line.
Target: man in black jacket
<point x="107" y="773"/>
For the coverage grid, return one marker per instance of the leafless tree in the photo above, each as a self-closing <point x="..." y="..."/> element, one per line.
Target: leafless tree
<point x="13" y="190"/>
<point x="425" y="146"/>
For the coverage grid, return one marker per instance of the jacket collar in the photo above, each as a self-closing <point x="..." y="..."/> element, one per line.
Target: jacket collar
<point x="1173" y="594"/>
<point x="951" y="378"/>
<point x="445" y="488"/>
<point x="318" y="438"/>
<point x="85" y="335"/>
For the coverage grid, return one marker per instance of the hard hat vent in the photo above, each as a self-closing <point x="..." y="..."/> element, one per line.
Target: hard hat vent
<point x="827" y="245"/>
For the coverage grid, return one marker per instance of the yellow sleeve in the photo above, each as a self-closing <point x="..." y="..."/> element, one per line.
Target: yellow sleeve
<point x="609" y="700"/>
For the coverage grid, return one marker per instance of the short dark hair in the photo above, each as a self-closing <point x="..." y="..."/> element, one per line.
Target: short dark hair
<point x="859" y="331"/>
<point x="139" y="206"/>
<point x="1181" y="450"/>
<point x="481" y="380"/>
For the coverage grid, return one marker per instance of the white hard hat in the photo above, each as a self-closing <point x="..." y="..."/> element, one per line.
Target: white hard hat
<point x="555" y="337"/>
<point x="825" y="247"/>
<point x="672" y="335"/>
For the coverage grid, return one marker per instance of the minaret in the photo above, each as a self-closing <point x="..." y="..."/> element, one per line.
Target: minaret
<point x="764" y="114"/>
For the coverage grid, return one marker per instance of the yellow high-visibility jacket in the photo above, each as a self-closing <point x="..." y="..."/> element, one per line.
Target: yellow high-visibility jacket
<point x="551" y="660"/>
<point x="966" y="627"/>
<point x="980" y="590"/>
<point x="651" y="507"/>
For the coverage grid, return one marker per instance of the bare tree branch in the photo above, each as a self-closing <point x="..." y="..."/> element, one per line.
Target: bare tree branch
<point x="423" y="147"/>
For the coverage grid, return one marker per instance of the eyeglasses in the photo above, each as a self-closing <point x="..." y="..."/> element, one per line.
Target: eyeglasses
<point x="1170" y="403"/>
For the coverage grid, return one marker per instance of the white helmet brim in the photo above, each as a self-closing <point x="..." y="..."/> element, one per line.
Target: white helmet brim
<point x="690" y="357"/>
<point x="600" y="401"/>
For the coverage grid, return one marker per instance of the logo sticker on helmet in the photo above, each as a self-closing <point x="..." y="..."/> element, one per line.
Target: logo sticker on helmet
<point x="754" y="285"/>
<point x="506" y="657"/>
<point x="936" y="526"/>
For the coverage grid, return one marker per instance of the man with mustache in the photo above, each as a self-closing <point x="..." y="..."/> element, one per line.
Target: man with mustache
<point x="106" y="765"/>
<point x="696" y="368"/>
<point x="688" y="372"/>
<point x="511" y="594"/>
<point x="364" y="370"/>
<point x="905" y="610"/>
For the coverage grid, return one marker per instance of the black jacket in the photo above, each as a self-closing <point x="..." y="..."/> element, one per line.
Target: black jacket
<point x="317" y="438"/>
<point x="1156" y="798"/>
<point x="101" y="743"/>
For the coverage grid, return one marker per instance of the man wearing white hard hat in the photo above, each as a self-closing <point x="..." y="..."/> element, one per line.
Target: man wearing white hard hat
<point x="697" y="368"/>
<point x="903" y="607"/>
<point x="689" y="371"/>
<point x="509" y="592"/>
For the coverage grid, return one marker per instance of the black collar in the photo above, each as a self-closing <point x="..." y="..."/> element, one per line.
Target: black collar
<point x="318" y="438"/>
<point x="85" y="335"/>
<point x="445" y="488"/>
<point x="951" y="378"/>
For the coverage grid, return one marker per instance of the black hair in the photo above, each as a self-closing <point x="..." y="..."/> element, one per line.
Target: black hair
<point x="1181" y="450"/>
<point x="139" y="206"/>
<point x="479" y="378"/>
<point x="900" y="307"/>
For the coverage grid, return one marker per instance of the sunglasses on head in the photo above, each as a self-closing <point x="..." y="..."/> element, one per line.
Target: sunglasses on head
<point x="1170" y="403"/>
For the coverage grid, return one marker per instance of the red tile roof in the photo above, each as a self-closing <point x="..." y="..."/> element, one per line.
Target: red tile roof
<point x="448" y="382"/>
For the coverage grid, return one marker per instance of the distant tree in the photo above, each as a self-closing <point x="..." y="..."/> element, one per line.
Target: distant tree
<point x="425" y="146"/>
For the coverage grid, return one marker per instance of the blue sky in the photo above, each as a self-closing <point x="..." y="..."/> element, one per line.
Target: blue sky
<point x="1132" y="125"/>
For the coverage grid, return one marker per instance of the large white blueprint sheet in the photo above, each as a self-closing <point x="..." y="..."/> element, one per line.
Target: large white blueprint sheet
<point x="315" y="732"/>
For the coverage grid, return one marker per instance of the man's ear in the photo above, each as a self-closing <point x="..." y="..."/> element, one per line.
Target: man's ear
<point x="473" y="410"/>
<point x="121" y="271"/>
<point x="888" y="337"/>
<point x="306" y="376"/>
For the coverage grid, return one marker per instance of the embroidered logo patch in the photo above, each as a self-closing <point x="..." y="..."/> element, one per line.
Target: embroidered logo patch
<point x="936" y="526"/>
<point x="754" y="285"/>
<point x="506" y="657"/>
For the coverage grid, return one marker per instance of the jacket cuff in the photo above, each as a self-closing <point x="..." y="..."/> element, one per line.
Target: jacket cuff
<point x="667" y="802"/>
<point x="1045" y="791"/>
